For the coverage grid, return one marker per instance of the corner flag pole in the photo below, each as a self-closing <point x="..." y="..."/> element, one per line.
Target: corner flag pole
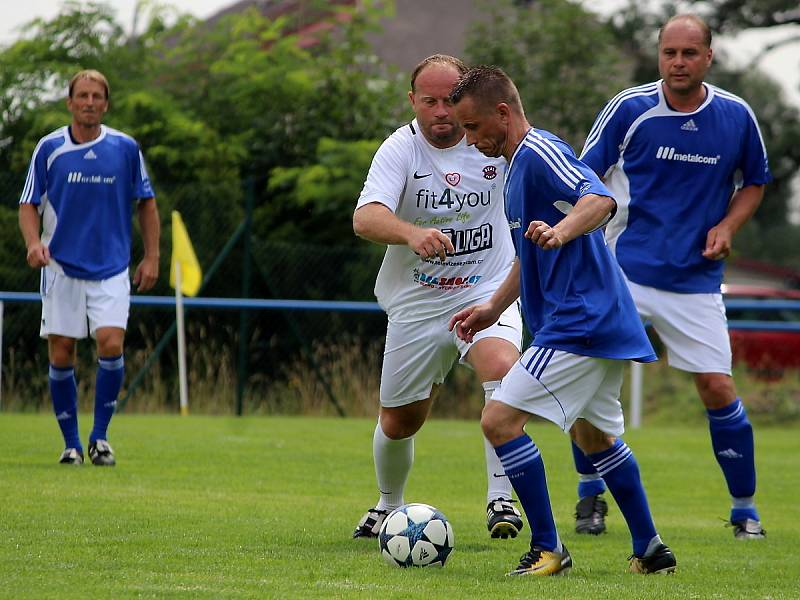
<point x="184" y="393"/>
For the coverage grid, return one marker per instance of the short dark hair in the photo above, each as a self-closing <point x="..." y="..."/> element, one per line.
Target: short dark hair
<point x="489" y="85"/>
<point x="704" y="28"/>
<point x="437" y="59"/>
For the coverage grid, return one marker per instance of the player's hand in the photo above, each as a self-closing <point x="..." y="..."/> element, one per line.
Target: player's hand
<point x="472" y="319"/>
<point x="718" y="243"/>
<point x="38" y="255"/>
<point x="544" y="236"/>
<point x="146" y="274"/>
<point x="430" y="243"/>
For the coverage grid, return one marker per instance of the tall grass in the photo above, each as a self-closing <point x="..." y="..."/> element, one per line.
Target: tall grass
<point x="346" y="371"/>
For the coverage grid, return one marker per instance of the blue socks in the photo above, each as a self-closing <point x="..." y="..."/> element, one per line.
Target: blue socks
<point x="732" y="440"/>
<point x="590" y="483"/>
<point x="523" y="464"/>
<point x="110" y="374"/>
<point x="618" y="467"/>
<point x="64" y="393"/>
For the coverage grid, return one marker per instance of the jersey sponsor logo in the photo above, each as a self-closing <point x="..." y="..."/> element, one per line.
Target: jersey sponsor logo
<point x="445" y="283"/>
<point x="516" y="224"/>
<point x="670" y="153"/>
<point x="450" y="199"/>
<point x="79" y="177"/>
<point x="452" y="178"/>
<point x="489" y="172"/>
<point x="467" y="241"/>
<point x="90" y="155"/>
<point x="689" y="126"/>
<point x="423" y="176"/>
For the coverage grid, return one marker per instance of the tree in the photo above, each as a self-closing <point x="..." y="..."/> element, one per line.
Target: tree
<point x="562" y="58"/>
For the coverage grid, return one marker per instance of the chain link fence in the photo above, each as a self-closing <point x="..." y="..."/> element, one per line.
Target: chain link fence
<point x="252" y="361"/>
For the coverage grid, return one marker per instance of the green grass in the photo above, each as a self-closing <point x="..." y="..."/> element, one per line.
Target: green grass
<point x="218" y="507"/>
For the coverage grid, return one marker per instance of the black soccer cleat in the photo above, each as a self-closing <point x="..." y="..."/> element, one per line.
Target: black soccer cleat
<point x="660" y="561"/>
<point x="748" y="529"/>
<point x="370" y="524"/>
<point x="101" y="454"/>
<point x="590" y="515"/>
<point x="503" y="520"/>
<point x="541" y="563"/>
<point x="71" y="456"/>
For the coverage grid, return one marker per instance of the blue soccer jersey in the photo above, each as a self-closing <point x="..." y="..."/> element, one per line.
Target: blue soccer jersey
<point x="85" y="194"/>
<point x="673" y="174"/>
<point x="574" y="298"/>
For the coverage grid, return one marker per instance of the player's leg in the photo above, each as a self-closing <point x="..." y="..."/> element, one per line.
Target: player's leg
<point x="108" y="304"/>
<point x="64" y="395"/>
<point x="63" y="322"/>
<point x="503" y="426"/>
<point x="592" y="508"/>
<point x="596" y="433"/>
<point x="694" y="329"/>
<point x="734" y="449"/>
<point x="491" y="355"/>
<point x="554" y="385"/>
<point x="417" y="357"/>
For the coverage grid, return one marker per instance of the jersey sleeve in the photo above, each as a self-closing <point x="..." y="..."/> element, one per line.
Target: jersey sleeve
<point x="36" y="180"/>
<point x="565" y="177"/>
<point x="388" y="173"/>
<point x="602" y="148"/>
<point x="141" y="180"/>
<point x="754" y="165"/>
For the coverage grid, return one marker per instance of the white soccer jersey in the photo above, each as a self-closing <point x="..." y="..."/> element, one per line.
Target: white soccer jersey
<point x="456" y="190"/>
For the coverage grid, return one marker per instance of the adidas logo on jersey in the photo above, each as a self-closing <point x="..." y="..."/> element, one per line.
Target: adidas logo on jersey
<point x="670" y="153"/>
<point x="689" y="126"/>
<point x="90" y="155"/>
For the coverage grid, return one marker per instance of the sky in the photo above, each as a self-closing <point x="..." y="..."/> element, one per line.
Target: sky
<point x="782" y="64"/>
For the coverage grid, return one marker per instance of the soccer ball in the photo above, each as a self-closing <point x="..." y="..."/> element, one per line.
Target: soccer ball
<point x="416" y="535"/>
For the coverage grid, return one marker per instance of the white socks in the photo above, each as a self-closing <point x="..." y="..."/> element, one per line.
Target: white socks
<point x="393" y="460"/>
<point x="499" y="485"/>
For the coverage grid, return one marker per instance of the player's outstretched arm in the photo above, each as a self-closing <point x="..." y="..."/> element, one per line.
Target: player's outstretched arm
<point x="146" y="273"/>
<point x="590" y="212"/>
<point x="376" y="223"/>
<point x="471" y="320"/>
<point x="744" y="203"/>
<point x="38" y="255"/>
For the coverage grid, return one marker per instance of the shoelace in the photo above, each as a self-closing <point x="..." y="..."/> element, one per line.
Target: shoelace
<point x="530" y="558"/>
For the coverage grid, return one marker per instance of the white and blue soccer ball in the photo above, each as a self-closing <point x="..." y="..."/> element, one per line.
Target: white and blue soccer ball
<point x="416" y="535"/>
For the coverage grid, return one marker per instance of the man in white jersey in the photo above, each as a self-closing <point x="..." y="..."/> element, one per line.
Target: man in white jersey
<point x="438" y="205"/>
<point x="81" y="187"/>
<point x="687" y="165"/>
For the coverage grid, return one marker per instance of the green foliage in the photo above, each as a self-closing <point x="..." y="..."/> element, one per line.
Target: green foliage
<point x="319" y="197"/>
<point x="564" y="62"/>
<point x="197" y="507"/>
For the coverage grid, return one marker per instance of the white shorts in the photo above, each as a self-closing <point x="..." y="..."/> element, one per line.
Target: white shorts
<point x="692" y="327"/>
<point x="562" y="387"/>
<point x="419" y="355"/>
<point x="67" y="304"/>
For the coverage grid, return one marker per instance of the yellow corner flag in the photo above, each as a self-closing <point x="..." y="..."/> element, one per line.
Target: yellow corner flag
<point x="183" y="253"/>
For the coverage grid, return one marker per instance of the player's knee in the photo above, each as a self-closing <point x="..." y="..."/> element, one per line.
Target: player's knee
<point x="716" y="389"/>
<point x="399" y="424"/>
<point x="496" y="425"/>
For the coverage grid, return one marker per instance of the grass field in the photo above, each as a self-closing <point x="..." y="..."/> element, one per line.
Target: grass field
<point x="216" y="507"/>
